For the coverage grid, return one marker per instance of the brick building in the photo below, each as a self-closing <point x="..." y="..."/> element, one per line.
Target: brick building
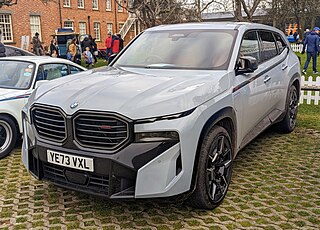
<point x="95" y="17"/>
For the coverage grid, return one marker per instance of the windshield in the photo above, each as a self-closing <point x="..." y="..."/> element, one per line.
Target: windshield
<point x="16" y="74"/>
<point x="184" y="49"/>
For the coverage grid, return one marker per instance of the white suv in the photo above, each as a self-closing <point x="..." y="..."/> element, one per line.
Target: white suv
<point x="168" y="116"/>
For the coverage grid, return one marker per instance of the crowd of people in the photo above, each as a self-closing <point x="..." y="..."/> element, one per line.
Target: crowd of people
<point x="87" y="49"/>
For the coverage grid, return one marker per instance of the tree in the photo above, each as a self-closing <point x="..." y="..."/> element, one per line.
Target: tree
<point x="156" y="12"/>
<point x="8" y="2"/>
<point x="249" y="9"/>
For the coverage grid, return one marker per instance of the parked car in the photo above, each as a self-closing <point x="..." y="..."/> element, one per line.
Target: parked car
<point x="168" y="116"/>
<point x="19" y="76"/>
<point x="14" y="51"/>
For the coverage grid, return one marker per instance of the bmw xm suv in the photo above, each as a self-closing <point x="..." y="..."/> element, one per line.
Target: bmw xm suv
<point x="168" y="116"/>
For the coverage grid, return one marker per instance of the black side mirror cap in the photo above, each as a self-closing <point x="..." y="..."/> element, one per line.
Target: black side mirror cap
<point x="247" y="64"/>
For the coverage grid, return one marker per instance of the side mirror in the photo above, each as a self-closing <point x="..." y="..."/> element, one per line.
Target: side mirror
<point x="112" y="56"/>
<point x="247" y="64"/>
<point x="40" y="82"/>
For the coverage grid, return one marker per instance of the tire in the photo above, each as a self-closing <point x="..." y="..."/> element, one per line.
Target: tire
<point x="8" y="135"/>
<point x="214" y="169"/>
<point x="288" y="123"/>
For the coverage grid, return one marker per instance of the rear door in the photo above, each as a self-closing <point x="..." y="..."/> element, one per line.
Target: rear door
<point x="272" y="62"/>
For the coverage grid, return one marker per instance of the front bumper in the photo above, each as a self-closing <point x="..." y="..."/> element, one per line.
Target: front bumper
<point x="140" y="170"/>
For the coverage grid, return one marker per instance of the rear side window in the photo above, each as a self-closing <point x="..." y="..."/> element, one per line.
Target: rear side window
<point x="269" y="48"/>
<point x="250" y="45"/>
<point x="280" y="43"/>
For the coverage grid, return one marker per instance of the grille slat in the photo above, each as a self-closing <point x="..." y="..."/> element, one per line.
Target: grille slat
<point x="100" y="131"/>
<point x="98" y="126"/>
<point x="97" y="131"/>
<point x="49" y="123"/>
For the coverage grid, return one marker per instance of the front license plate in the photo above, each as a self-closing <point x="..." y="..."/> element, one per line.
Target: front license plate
<point x="70" y="161"/>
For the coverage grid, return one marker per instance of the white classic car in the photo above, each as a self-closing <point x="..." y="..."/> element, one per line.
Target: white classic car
<point x="19" y="76"/>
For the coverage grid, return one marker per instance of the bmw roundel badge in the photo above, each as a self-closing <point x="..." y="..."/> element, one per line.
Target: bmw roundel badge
<point x="74" y="105"/>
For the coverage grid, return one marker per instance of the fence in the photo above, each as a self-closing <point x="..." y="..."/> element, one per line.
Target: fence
<point x="310" y="90"/>
<point x="297" y="47"/>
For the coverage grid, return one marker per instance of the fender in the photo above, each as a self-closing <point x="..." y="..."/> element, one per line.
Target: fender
<point x="225" y="113"/>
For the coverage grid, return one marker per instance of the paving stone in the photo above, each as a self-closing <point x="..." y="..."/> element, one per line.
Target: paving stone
<point x="275" y="185"/>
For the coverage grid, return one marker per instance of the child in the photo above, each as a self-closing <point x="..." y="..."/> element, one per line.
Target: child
<point x="88" y="57"/>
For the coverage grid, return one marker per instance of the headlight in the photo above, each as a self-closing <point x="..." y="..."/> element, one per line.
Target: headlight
<point x="165" y="117"/>
<point x="157" y="136"/>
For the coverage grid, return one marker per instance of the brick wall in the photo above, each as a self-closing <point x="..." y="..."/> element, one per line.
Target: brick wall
<point x="50" y="19"/>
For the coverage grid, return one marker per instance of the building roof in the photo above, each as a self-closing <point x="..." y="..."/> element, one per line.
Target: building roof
<point x="230" y="15"/>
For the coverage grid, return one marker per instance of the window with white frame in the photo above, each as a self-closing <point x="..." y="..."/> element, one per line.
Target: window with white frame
<point x="95" y="4"/>
<point x="81" y="4"/>
<point x="120" y="8"/>
<point x="96" y="30"/>
<point x="109" y="28"/>
<point x="68" y="24"/>
<point x="108" y="5"/>
<point x="35" y="25"/>
<point x="66" y="3"/>
<point x="82" y="28"/>
<point x="6" y="28"/>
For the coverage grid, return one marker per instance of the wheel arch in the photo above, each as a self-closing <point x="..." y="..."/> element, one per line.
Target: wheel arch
<point x="226" y="118"/>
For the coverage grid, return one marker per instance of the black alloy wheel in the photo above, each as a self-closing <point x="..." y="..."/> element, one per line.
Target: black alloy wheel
<point x="214" y="169"/>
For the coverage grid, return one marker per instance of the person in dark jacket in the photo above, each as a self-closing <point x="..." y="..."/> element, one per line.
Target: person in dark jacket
<point x="2" y="50"/>
<point x="86" y="43"/>
<point x="54" y="49"/>
<point x="313" y="49"/>
<point x="120" y="42"/>
<point x="94" y="50"/>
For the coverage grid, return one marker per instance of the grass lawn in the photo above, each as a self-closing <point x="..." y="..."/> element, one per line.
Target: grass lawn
<point x="303" y="58"/>
<point x="309" y="116"/>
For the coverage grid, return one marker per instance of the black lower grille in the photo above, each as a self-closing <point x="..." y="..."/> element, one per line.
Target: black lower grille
<point x="94" y="183"/>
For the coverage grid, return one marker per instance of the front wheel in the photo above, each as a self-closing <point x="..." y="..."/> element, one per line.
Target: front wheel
<point x="288" y="123"/>
<point x="8" y="135"/>
<point x="214" y="169"/>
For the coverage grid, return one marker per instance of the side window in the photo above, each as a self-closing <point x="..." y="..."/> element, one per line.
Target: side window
<point x="250" y="45"/>
<point x="74" y="69"/>
<point x="53" y="71"/>
<point x="280" y="43"/>
<point x="269" y="48"/>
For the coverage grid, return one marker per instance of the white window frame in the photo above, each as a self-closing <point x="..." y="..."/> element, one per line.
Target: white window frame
<point x="120" y="8"/>
<point x="81" y="4"/>
<point x="110" y="27"/>
<point x="96" y="30"/>
<point x="66" y="3"/>
<point x="82" y="29"/>
<point x="6" y="28"/>
<point x="109" y="6"/>
<point x="97" y="3"/>
<point x="72" y="23"/>
<point x="35" y="25"/>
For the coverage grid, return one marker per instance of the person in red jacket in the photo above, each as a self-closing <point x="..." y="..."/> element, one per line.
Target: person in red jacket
<point x="115" y="44"/>
<point x="108" y="46"/>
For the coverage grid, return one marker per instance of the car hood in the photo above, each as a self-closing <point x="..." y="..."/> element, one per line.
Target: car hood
<point x="135" y="93"/>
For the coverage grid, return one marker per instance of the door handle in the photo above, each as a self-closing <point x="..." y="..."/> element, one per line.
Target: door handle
<point x="266" y="79"/>
<point x="284" y="67"/>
